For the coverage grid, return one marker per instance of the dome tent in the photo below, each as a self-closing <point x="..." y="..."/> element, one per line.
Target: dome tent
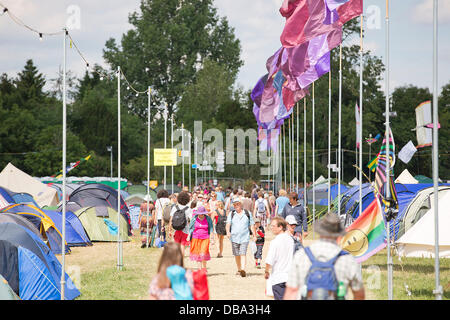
<point x="42" y="222"/>
<point x="30" y="267"/>
<point x="96" y="227"/>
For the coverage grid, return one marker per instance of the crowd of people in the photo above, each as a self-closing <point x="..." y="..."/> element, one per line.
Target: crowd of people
<point x="190" y="222"/>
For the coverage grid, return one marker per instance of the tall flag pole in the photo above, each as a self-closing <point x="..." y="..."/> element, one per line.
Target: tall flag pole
<point x="329" y="140"/>
<point x="63" y="244"/>
<point x="387" y="135"/>
<point x="292" y="158"/>
<point x="298" y="142"/>
<point x="119" y="246"/>
<point x="361" y="66"/>
<point x="290" y="153"/>
<point x="313" y="157"/>
<point x="305" y="198"/>
<point x="438" y="289"/>
<point x="171" y="145"/>
<point x="148" y="164"/>
<point x="339" y="120"/>
<point x="284" y="156"/>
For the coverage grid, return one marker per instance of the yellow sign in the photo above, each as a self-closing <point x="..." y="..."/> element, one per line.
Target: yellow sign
<point x="165" y="157"/>
<point x="153" y="184"/>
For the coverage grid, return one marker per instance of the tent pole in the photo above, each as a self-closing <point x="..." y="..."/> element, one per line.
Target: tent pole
<point x="438" y="289"/>
<point x="148" y="162"/>
<point x="63" y="244"/>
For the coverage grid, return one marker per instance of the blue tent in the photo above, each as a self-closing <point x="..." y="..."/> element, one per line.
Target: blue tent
<point x="75" y="234"/>
<point x="42" y="222"/>
<point x="32" y="263"/>
<point x="17" y="197"/>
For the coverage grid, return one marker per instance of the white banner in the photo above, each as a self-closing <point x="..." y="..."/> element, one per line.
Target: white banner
<point x="407" y="152"/>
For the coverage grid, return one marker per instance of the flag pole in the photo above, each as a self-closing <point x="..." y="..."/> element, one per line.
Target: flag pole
<point x="387" y="135"/>
<point x="290" y="153"/>
<point x="438" y="289"/>
<point x="339" y="134"/>
<point x="360" y="115"/>
<point x="165" y="139"/>
<point x="148" y="163"/>
<point x="298" y="139"/>
<point x="284" y="155"/>
<point x="182" y="156"/>
<point x="171" y="145"/>
<point x="293" y="150"/>
<point x="329" y="140"/>
<point x="119" y="246"/>
<point x="63" y="244"/>
<point x="313" y="158"/>
<point x="305" y="198"/>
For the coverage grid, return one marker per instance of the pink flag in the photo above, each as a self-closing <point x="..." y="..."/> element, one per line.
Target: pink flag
<point x="307" y="19"/>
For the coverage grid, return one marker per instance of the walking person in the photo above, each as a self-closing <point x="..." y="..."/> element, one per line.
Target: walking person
<point x="260" y="239"/>
<point x="200" y="231"/>
<point x="281" y="201"/>
<point x="343" y="268"/>
<point x="247" y="203"/>
<point x="160" y="205"/>
<point x="180" y="217"/>
<point x="144" y="231"/>
<point x="261" y="209"/>
<point x="221" y="231"/>
<point x="240" y="226"/>
<point x="291" y="225"/>
<point x="279" y="257"/>
<point x="161" y="286"/>
<point x="295" y="209"/>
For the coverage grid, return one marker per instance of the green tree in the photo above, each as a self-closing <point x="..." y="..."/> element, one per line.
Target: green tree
<point x="169" y="42"/>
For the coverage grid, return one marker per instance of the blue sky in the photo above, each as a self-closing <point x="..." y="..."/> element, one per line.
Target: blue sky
<point x="257" y="24"/>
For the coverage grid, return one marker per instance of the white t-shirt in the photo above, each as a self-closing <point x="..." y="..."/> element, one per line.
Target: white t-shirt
<point x="281" y="251"/>
<point x="160" y="203"/>
<point x="188" y="214"/>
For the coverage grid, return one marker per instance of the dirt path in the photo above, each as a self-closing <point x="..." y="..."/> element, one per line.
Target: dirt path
<point x="223" y="282"/>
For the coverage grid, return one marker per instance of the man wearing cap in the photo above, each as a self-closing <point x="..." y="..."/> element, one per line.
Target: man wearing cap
<point x="346" y="268"/>
<point x="291" y="225"/>
<point x="239" y="224"/>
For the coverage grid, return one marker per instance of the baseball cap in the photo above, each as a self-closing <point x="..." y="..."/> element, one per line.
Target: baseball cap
<point x="291" y="220"/>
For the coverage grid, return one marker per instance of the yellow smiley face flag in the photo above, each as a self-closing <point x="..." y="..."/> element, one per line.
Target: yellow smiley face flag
<point x="367" y="234"/>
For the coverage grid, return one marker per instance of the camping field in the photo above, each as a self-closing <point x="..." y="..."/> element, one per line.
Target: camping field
<point x="94" y="271"/>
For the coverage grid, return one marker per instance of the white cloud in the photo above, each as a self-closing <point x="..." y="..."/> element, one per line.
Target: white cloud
<point x="422" y="13"/>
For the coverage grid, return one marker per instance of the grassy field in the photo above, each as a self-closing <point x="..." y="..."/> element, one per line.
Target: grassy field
<point x="99" y="279"/>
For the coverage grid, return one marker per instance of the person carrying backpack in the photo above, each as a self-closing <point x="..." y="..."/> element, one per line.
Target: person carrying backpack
<point x="160" y="205"/>
<point x="240" y="226"/>
<point x="261" y="209"/>
<point x="180" y="217"/>
<point x="323" y="270"/>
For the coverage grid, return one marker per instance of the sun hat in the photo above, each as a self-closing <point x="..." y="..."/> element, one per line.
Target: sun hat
<point x="200" y="210"/>
<point x="290" y="219"/>
<point x="330" y="226"/>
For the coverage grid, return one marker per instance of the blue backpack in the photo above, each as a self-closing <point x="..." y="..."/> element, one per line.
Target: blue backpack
<point x="261" y="205"/>
<point x="321" y="281"/>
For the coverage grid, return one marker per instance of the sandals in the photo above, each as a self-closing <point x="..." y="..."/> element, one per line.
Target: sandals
<point x="219" y="256"/>
<point x="242" y="272"/>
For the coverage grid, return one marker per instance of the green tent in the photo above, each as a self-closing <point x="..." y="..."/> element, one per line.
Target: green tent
<point x="99" y="223"/>
<point x="6" y="293"/>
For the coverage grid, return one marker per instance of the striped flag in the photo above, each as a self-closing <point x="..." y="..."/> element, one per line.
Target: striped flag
<point x="373" y="164"/>
<point x="380" y="175"/>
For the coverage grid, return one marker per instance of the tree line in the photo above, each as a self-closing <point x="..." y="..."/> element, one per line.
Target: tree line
<point x="191" y="57"/>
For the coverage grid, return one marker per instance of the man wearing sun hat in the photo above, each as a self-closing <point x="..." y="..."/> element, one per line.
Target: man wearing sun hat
<point x="239" y="224"/>
<point x="346" y="268"/>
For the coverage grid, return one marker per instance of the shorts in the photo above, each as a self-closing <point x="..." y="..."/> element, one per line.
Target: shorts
<point x="180" y="237"/>
<point x="239" y="249"/>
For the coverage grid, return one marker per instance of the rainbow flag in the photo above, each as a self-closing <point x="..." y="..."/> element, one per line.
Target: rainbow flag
<point x="367" y="234"/>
